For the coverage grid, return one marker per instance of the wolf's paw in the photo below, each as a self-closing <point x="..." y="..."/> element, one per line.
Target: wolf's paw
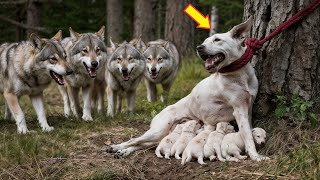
<point x="260" y="158"/>
<point x="87" y="117"/>
<point x="47" y="128"/>
<point x="23" y="130"/>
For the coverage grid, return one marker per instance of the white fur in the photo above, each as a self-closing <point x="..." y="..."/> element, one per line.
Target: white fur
<point x="167" y="142"/>
<point x="212" y="148"/>
<point x="188" y="132"/>
<point x="232" y="144"/>
<point x="195" y="146"/>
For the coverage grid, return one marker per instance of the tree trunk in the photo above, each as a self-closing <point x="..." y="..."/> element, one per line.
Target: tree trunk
<point x="114" y="20"/>
<point x="289" y="63"/>
<point x="144" y="19"/>
<point x="179" y="27"/>
<point x="33" y="16"/>
<point x="214" y="20"/>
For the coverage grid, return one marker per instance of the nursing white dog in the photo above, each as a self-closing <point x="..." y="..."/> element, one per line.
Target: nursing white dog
<point x="221" y="97"/>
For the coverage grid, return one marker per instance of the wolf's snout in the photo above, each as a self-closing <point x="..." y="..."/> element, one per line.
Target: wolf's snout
<point x="153" y="69"/>
<point x="124" y="70"/>
<point x="200" y="47"/>
<point x="69" y="71"/>
<point x="94" y="63"/>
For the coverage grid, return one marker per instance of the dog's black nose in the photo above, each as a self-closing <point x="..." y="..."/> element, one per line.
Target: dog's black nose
<point x="153" y="69"/>
<point x="69" y="71"/>
<point x="94" y="63"/>
<point x="200" y="47"/>
<point x="124" y="70"/>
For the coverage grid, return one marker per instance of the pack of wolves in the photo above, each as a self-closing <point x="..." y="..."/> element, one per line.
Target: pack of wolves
<point x="83" y="62"/>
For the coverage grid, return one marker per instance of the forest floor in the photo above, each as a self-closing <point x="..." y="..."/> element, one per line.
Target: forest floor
<point x="76" y="149"/>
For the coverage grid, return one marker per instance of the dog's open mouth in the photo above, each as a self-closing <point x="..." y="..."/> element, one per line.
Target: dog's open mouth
<point x="91" y="71"/>
<point x="212" y="61"/>
<point x="57" y="77"/>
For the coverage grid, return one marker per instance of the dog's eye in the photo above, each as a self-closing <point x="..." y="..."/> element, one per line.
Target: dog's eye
<point x="258" y="136"/>
<point x="217" y="40"/>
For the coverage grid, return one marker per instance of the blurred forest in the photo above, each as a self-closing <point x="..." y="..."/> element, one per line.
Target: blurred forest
<point x="124" y="19"/>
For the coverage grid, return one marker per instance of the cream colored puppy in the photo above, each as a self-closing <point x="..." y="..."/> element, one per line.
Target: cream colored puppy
<point x="167" y="142"/>
<point x="188" y="132"/>
<point x="195" y="146"/>
<point x="233" y="144"/>
<point x="213" y="144"/>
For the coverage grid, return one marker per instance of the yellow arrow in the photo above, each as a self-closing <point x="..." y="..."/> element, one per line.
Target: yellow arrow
<point x="203" y="22"/>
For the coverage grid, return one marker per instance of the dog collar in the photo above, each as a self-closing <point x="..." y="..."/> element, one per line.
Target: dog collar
<point x="242" y="61"/>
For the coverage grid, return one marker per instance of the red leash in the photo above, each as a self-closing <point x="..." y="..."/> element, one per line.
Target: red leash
<point x="254" y="44"/>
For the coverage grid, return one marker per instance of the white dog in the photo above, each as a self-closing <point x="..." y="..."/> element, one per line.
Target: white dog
<point x="232" y="144"/>
<point x="213" y="144"/>
<point x="188" y="132"/>
<point x="195" y="146"/>
<point x="167" y="142"/>
<point x="221" y="97"/>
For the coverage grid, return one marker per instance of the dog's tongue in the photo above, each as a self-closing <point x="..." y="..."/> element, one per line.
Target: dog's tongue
<point x="209" y="63"/>
<point x="92" y="72"/>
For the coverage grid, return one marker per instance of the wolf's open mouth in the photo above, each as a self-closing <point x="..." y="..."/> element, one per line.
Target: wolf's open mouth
<point x="92" y="71"/>
<point x="212" y="61"/>
<point x="154" y="75"/>
<point x="126" y="75"/>
<point x="57" y="77"/>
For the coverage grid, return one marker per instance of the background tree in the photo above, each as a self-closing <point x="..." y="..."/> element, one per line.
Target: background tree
<point x="289" y="63"/>
<point x="145" y="19"/>
<point x="114" y="20"/>
<point x="33" y="16"/>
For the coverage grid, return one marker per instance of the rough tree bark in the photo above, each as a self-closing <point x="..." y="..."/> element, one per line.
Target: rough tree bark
<point x="289" y="63"/>
<point x="33" y="16"/>
<point x="144" y="19"/>
<point x="114" y="20"/>
<point x="179" y="27"/>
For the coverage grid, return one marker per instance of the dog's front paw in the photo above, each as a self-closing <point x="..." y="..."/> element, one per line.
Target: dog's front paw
<point x="22" y="130"/>
<point x="259" y="158"/>
<point x="87" y="117"/>
<point x="123" y="153"/>
<point x="112" y="148"/>
<point x="47" y="128"/>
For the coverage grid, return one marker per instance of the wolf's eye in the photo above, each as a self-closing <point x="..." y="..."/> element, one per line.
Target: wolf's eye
<point x="118" y="60"/>
<point x="160" y="59"/>
<point x="149" y="59"/>
<point x="84" y="51"/>
<point x="53" y="60"/>
<point x="130" y="59"/>
<point x="98" y="50"/>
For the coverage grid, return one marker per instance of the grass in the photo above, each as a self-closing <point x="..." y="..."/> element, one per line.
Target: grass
<point x="74" y="149"/>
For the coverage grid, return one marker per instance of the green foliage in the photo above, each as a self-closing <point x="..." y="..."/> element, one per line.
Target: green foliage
<point x="230" y="13"/>
<point x="296" y="108"/>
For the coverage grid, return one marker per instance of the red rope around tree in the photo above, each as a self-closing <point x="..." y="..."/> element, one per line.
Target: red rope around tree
<point x="253" y="44"/>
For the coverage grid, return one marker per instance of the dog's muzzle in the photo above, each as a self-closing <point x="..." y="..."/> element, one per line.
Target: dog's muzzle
<point x="211" y="61"/>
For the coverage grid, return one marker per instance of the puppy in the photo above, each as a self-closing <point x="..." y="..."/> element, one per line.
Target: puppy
<point x="167" y="142"/>
<point x="213" y="144"/>
<point x="232" y="144"/>
<point x="195" y="146"/>
<point x="188" y="132"/>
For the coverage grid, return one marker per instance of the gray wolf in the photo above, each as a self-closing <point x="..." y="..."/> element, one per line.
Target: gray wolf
<point x="188" y="132"/>
<point x="232" y="144"/>
<point x="167" y="142"/>
<point x="221" y="97"/>
<point x="195" y="146"/>
<point x="27" y="68"/>
<point x="163" y="64"/>
<point x="213" y="144"/>
<point x="87" y="56"/>
<point x="124" y="72"/>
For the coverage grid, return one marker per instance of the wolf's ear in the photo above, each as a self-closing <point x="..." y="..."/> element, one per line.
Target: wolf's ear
<point x="166" y="45"/>
<point x="241" y="29"/>
<point x="140" y="45"/>
<point x="36" y="41"/>
<point x="58" y="36"/>
<point x="114" y="46"/>
<point x="74" y="35"/>
<point x="100" y="33"/>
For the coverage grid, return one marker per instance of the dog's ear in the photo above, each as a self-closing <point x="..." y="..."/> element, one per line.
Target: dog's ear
<point x="114" y="46"/>
<point x="37" y="41"/>
<point x="100" y="33"/>
<point x="58" y="36"/>
<point x="74" y="35"/>
<point x="240" y="30"/>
